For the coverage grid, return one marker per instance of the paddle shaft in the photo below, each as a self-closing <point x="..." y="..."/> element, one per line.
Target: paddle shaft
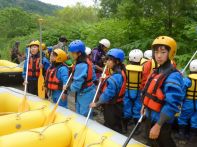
<point x="40" y="46"/>
<point x="189" y="62"/>
<point x="97" y="90"/>
<point x="133" y="131"/>
<point x="26" y="75"/>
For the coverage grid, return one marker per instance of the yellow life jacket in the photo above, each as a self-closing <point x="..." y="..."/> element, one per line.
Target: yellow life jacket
<point x="133" y="73"/>
<point x="192" y="91"/>
<point x="143" y="60"/>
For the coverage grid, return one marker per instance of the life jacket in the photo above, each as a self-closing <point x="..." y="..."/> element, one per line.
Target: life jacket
<point x="152" y="95"/>
<point x="192" y="90"/>
<point x="89" y="80"/>
<point x="143" y="61"/>
<point x="119" y="97"/>
<point x="51" y="80"/>
<point x="33" y="67"/>
<point x="134" y="75"/>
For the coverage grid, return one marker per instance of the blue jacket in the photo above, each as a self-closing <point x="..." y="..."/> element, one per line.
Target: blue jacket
<point x="114" y="84"/>
<point x="173" y="88"/>
<point x="80" y="75"/>
<point x="45" y="63"/>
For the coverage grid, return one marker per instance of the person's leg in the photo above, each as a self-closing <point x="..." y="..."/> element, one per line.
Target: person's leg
<point x="165" y="138"/>
<point x="32" y="87"/>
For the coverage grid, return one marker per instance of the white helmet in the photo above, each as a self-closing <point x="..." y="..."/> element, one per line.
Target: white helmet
<point x="105" y="42"/>
<point x="135" y="55"/>
<point x="88" y="51"/>
<point x="148" y="54"/>
<point x="193" y="66"/>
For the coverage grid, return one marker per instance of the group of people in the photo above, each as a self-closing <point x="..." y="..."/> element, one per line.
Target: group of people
<point x="149" y="85"/>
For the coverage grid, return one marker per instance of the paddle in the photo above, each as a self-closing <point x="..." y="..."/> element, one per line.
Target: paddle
<point x="80" y="138"/>
<point x="133" y="131"/>
<point x="189" y="62"/>
<point x="41" y="89"/>
<point x="24" y="106"/>
<point x="51" y="116"/>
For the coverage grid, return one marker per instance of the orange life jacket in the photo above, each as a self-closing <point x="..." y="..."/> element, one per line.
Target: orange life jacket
<point x="119" y="97"/>
<point x="51" y="80"/>
<point x="89" y="80"/>
<point x="34" y="69"/>
<point x="152" y="95"/>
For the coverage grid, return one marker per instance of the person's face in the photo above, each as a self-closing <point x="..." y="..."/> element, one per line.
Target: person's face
<point x="34" y="49"/>
<point x="110" y="63"/>
<point x="75" y="55"/>
<point x="161" y="55"/>
<point x="53" y="57"/>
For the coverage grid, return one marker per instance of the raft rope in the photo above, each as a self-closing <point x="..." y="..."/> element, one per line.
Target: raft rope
<point x="103" y="138"/>
<point x="20" y="113"/>
<point x="40" y="133"/>
<point x="19" y="92"/>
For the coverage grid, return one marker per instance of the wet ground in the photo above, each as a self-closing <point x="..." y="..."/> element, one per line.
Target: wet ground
<point x="99" y="117"/>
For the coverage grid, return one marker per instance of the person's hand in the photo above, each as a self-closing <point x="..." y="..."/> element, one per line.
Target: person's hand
<point x="24" y="83"/>
<point x="155" y="131"/>
<point x="64" y="97"/>
<point x="41" y="65"/>
<point x="92" y="105"/>
<point x="142" y="111"/>
<point x="65" y="87"/>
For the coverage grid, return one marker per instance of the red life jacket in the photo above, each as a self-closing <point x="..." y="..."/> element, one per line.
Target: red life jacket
<point x="119" y="97"/>
<point x="51" y="80"/>
<point x="89" y="80"/>
<point x="34" y="69"/>
<point x="152" y="95"/>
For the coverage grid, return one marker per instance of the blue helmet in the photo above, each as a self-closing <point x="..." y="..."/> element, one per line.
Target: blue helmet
<point x="50" y="48"/>
<point x="116" y="53"/>
<point x="76" y="46"/>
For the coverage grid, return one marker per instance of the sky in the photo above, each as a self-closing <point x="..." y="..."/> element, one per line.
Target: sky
<point x="69" y="2"/>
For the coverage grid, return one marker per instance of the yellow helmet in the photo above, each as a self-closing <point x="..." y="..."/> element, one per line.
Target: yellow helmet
<point x="168" y="41"/>
<point x="44" y="47"/>
<point x="36" y="42"/>
<point x="61" y="55"/>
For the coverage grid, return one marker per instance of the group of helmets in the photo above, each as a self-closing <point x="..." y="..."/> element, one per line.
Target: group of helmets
<point x="136" y="54"/>
<point x="79" y="46"/>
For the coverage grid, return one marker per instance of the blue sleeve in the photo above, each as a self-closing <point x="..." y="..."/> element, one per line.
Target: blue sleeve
<point x="45" y="63"/>
<point x="187" y="82"/>
<point x="174" y="94"/>
<point x="63" y="74"/>
<point x="109" y="92"/>
<point x="79" y="77"/>
<point x="24" y="69"/>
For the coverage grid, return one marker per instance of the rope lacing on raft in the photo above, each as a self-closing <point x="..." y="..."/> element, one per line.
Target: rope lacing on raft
<point x="103" y="138"/>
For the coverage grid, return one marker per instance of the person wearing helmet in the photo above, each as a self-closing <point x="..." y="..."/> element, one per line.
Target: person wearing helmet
<point x="132" y="102"/>
<point x="98" y="56"/>
<point x="189" y="107"/>
<point x="48" y="52"/>
<point x="57" y="76"/>
<point x="34" y="67"/>
<point x="163" y="94"/>
<point x="113" y="90"/>
<point x="83" y="77"/>
<point x="88" y="52"/>
<point x="148" y="54"/>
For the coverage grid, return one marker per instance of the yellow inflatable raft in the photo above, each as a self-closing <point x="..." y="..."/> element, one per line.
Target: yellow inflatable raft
<point x="10" y="71"/>
<point x="27" y="128"/>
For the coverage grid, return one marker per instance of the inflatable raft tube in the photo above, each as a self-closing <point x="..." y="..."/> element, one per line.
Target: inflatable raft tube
<point x="10" y="71"/>
<point x="97" y="134"/>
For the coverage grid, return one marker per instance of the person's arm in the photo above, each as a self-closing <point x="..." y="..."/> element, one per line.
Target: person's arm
<point x="174" y="95"/>
<point x="24" y="69"/>
<point x="79" y="77"/>
<point x="45" y="63"/>
<point x="109" y="93"/>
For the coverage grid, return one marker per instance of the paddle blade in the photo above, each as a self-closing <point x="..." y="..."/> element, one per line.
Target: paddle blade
<point x="51" y="117"/>
<point x="41" y="89"/>
<point x="79" y="140"/>
<point x="23" y="106"/>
